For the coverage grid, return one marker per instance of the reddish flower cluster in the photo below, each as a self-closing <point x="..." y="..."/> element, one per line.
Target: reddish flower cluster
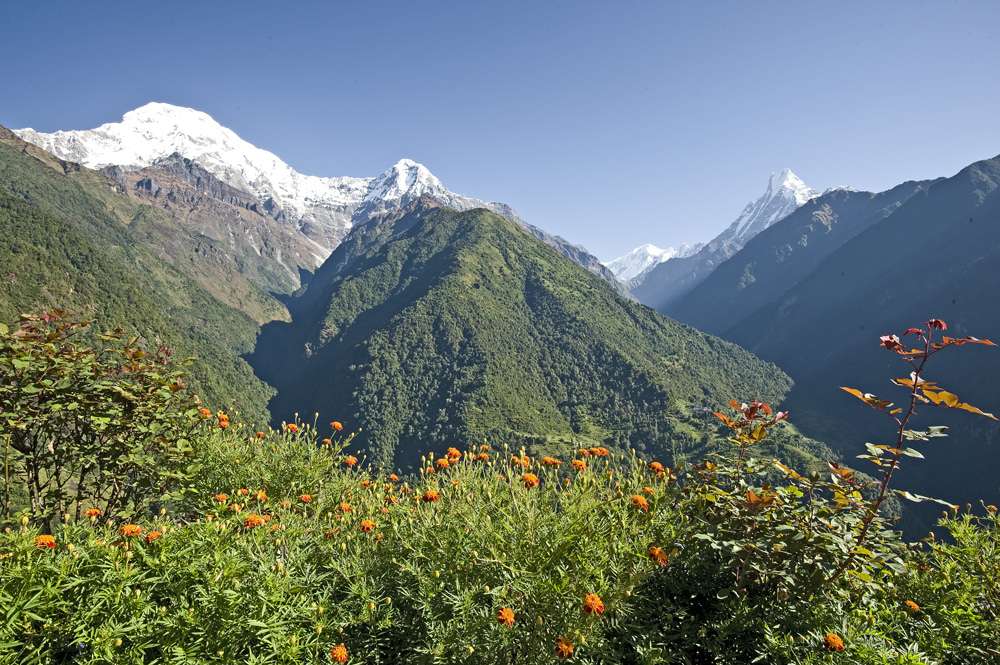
<point x="223" y="420"/>
<point x="505" y="616"/>
<point x="454" y="455"/>
<point x="592" y="604"/>
<point x="599" y="452"/>
<point x="305" y="498"/>
<point x="253" y="520"/>
<point x="339" y="654"/>
<point x="833" y="642"/>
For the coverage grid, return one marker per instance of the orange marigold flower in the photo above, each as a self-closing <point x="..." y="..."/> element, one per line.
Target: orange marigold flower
<point x="292" y="427"/>
<point x="649" y="490"/>
<point x="326" y="442"/>
<point x="242" y="492"/>
<point x="564" y="647"/>
<point x="515" y="460"/>
<point x="394" y="478"/>
<point x="592" y="604"/>
<point x="222" y="416"/>
<point x="602" y="452"/>
<point x="579" y="465"/>
<point x="912" y="606"/>
<point x="640" y="501"/>
<point x="130" y="530"/>
<point x="594" y="451"/>
<point x="336" y="425"/>
<point x="350" y="460"/>
<point x="260" y="496"/>
<point x="657" y="555"/>
<point x="482" y="457"/>
<point x="991" y="508"/>
<point x="505" y="616"/>
<point x="92" y="512"/>
<point x="253" y="520"/>
<point x="484" y="447"/>
<point x="430" y="495"/>
<point x="550" y="461"/>
<point x="305" y="498"/>
<point x="153" y="535"/>
<point x="339" y="654"/>
<point x="656" y="467"/>
<point x="237" y="507"/>
<point x="454" y="455"/>
<point x="430" y="469"/>
<point x="391" y="498"/>
<point x="530" y="480"/>
<point x="583" y="452"/>
<point x="45" y="542"/>
<point x="223" y="424"/>
<point x="367" y="525"/>
<point x="366" y="483"/>
<point x="442" y="463"/>
<point x="833" y="642"/>
<point x="260" y="435"/>
<point x="285" y="504"/>
<point x="344" y="507"/>
<point x="205" y="413"/>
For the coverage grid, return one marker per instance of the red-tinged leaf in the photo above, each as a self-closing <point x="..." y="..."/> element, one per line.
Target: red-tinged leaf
<point x="937" y="323"/>
<point x="724" y="419"/>
<point x="767" y="409"/>
<point x="733" y="403"/>
<point x="969" y="407"/>
<point x="919" y="331"/>
<point x="890" y="342"/>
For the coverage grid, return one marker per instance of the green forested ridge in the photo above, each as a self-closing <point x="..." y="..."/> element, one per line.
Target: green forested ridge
<point x="78" y="243"/>
<point x="447" y="327"/>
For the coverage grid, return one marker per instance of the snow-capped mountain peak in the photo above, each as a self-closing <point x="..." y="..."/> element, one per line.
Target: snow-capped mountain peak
<point x="404" y="177"/>
<point x="785" y="192"/>
<point x="644" y="258"/>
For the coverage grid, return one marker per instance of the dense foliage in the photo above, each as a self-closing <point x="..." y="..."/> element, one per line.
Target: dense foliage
<point x="283" y="547"/>
<point x="456" y="326"/>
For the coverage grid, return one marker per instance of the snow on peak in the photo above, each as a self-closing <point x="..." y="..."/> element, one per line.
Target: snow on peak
<point x="785" y="192"/>
<point x="405" y="178"/>
<point x="644" y="258"/>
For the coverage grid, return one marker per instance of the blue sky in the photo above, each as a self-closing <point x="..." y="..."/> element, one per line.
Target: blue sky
<point x="611" y="124"/>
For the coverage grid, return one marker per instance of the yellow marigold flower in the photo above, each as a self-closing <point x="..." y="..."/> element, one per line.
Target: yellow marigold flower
<point x="640" y="501"/>
<point x="367" y="525"/>
<point x="656" y="467"/>
<point x="833" y="642"/>
<point x="912" y="606"/>
<point x="92" y="512"/>
<point x="336" y="425"/>
<point x="442" y="463"/>
<point x="130" y="530"/>
<point x="45" y="542"/>
<point x="530" y="480"/>
<point x="564" y="647"/>
<point x="657" y="555"/>
<point x="253" y="520"/>
<point x="339" y="654"/>
<point x="430" y="495"/>
<point x="592" y="604"/>
<point x="305" y="498"/>
<point x="350" y="460"/>
<point x="153" y="535"/>
<point x="579" y="465"/>
<point x="505" y="616"/>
